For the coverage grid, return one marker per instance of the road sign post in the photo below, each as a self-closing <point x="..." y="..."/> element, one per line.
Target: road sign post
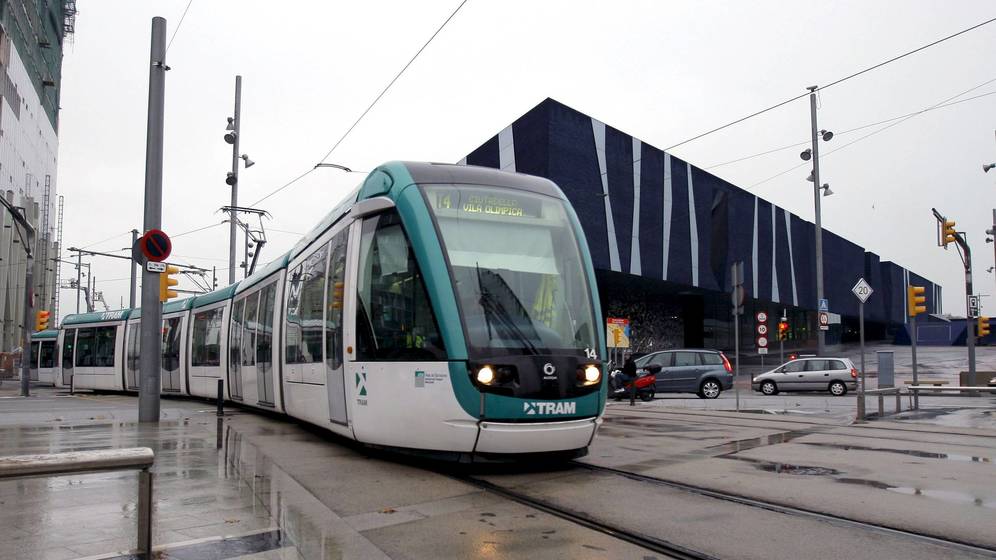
<point x="737" y="281"/>
<point x="862" y="291"/>
<point x="151" y="334"/>
<point x="762" y="335"/>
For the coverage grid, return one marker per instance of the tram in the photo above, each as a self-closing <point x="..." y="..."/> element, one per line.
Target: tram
<point x="440" y="308"/>
<point x="43" y="353"/>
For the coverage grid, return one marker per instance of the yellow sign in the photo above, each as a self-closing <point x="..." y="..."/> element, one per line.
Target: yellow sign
<point x="618" y="332"/>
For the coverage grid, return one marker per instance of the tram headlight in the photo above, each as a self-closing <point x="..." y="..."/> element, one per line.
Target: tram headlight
<point x="485" y="375"/>
<point x="591" y="375"/>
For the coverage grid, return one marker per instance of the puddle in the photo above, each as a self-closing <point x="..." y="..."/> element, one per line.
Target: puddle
<point x="786" y="468"/>
<point x="912" y="452"/>
<point x="739" y="445"/>
<point x="946" y="496"/>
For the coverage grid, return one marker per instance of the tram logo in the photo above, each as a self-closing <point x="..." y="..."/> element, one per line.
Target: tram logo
<point x="532" y="408"/>
<point x="549" y="369"/>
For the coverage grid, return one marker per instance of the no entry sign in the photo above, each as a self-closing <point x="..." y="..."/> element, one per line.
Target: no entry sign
<point x="155" y="245"/>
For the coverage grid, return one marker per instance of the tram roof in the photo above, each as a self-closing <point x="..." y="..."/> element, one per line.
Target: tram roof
<point x="97" y="317"/>
<point x="45" y="335"/>
<point x="214" y="297"/>
<point x="383" y="180"/>
<point x="261" y="274"/>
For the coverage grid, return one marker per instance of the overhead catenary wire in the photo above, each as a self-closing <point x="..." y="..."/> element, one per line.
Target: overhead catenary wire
<point x="179" y="23"/>
<point x="855" y="129"/>
<point x="873" y="133"/>
<point x="115" y="236"/>
<point x="369" y="107"/>
<point x="831" y="84"/>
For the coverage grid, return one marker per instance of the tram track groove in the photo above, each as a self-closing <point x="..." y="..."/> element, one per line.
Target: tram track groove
<point x="660" y="546"/>
<point x="793" y="510"/>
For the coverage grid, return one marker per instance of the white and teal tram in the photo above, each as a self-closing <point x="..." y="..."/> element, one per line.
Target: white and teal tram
<point x="43" y="352"/>
<point x="440" y="308"/>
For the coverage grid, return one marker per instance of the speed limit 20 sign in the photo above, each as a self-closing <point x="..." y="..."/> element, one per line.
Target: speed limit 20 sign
<point x="862" y="290"/>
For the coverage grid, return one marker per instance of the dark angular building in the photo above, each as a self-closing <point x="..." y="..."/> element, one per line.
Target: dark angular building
<point x="663" y="235"/>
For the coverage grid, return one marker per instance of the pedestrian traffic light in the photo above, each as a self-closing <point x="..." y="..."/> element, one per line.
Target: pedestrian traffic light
<point x="166" y="281"/>
<point x="915" y="300"/>
<point x="783" y="330"/>
<point x="983" y="327"/>
<point x="41" y="320"/>
<point x="948" y="232"/>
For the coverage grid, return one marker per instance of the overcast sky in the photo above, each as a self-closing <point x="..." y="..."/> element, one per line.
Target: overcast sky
<point x="661" y="71"/>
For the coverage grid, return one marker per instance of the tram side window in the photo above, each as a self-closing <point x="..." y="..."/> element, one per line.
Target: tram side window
<point x="48" y="354"/>
<point x="249" y="332"/>
<point x="134" y="338"/>
<point x="103" y="346"/>
<point x="68" y="344"/>
<point x="235" y="334"/>
<point x="171" y="344"/>
<point x="394" y="320"/>
<point x="305" y="306"/>
<point x="207" y="338"/>
<point x="264" y="333"/>
<point x="84" y="348"/>
<point x="336" y="289"/>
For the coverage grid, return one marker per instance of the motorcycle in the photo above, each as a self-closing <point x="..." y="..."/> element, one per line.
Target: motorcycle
<point x="645" y="381"/>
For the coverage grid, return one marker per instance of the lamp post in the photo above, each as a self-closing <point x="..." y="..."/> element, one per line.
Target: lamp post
<point x="814" y="154"/>
<point x="234" y="128"/>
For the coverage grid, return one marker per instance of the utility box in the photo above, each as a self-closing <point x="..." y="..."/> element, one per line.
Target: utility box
<point x="886" y="369"/>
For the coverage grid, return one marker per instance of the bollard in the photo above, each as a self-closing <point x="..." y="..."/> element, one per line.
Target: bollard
<point x="221" y="397"/>
<point x="145" y="512"/>
<point x="881" y="405"/>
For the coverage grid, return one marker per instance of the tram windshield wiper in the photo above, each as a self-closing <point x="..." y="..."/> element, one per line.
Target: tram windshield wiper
<point x="493" y="303"/>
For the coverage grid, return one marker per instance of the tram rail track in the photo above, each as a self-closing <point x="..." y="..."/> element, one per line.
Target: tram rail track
<point x="660" y="546"/>
<point x="794" y="511"/>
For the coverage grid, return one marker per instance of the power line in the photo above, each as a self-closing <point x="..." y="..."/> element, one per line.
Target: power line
<point x="115" y="236"/>
<point x="196" y="230"/>
<point x="177" y="30"/>
<point x="369" y="107"/>
<point x="884" y="128"/>
<point x="831" y="84"/>
<point x="855" y="129"/>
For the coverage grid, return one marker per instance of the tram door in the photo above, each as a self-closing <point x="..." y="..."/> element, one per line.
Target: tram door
<point x="334" y="370"/>
<point x="33" y="368"/>
<point x="68" y="347"/>
<point x="235" y="350"/>
<point x="131" y="357"/>
<point x="264" y="344"/>
<point x="171" y="355"/>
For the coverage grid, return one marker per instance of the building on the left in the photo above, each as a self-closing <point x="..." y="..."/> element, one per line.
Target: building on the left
<point x="32" y="37"/>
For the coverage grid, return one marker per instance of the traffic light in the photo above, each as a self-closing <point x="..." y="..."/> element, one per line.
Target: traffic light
<point x="166" y="281"/>
<point x="948" y="232"/>
<point x="915" y="300"/>
<point x="337" y="290"/>
<point x="41" y="320"/>
<point x="983" y="327"/>
<point x="783" y="330"/>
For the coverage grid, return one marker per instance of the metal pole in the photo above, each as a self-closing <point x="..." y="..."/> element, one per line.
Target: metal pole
<point x="736" y="355"/>
<point x="79" y="279"/>
<point x="970" y="328"/>
<point x="861" y="390"/>
<point x="237" y="124"/>
<point x="28" y="305"/>
<point x="151" y="337"/>
<point x="916" y="395"/>
<point x="820" y="334"/>
<point x="134" y="276"/>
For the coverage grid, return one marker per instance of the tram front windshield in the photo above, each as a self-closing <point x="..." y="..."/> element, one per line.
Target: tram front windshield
<point x="517" y="269"/>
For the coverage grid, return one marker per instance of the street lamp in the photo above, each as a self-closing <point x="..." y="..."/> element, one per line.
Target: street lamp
<point x="232" y="177"/>
<point x="813" y="153"/>
<point x="988" y="166"/>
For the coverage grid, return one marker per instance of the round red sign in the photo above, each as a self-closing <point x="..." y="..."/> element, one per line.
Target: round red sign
<point x="155" y="245"/>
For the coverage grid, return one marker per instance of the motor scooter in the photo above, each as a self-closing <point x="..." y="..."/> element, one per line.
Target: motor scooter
<point x="645" y="384"/>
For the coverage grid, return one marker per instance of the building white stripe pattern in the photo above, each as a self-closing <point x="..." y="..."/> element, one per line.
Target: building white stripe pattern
<point x="774" y="256"/>
<point x="755" y="265"/>
<point x="693" y="229"/>
<point x="668" y="203"/>
<point x="598" y="128"/>
<point x="506" y="150"/>
<point x="788" y="235"/>
<point x="634" y="256"/>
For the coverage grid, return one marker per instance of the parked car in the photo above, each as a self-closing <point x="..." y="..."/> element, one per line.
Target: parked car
<point x="837" y="375"/>
<point x="704" y="372"/>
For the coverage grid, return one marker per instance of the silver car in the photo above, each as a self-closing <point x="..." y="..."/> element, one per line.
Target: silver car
<point x="837" y="375"/>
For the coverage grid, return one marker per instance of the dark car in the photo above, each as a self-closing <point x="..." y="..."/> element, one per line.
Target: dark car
<point x="704" y="372"/>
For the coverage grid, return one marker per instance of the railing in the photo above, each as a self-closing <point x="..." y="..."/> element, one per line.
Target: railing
<point x="77" y="462"/>
<point x="913" y="392"/>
